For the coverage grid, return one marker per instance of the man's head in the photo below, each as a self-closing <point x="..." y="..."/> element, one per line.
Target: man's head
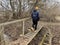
<point x="36" y="8"/>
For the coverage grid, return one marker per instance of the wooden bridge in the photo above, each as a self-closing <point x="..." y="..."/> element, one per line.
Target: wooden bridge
<point x="29" y="35"/>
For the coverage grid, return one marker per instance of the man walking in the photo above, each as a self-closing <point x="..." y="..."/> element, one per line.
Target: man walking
<point x="35" y="18"/>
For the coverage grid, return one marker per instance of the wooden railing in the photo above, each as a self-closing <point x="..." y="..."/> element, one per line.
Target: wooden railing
<point x="7" y="23"/>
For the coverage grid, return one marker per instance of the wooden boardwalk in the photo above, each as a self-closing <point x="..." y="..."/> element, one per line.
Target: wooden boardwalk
<point x="26" y="39"/>
<point x="31" y="35"/>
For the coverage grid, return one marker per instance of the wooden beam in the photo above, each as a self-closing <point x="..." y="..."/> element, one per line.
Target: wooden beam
<point x="6" y="23"/>
<point x="48" y="23"/>
<point x="41" y="43"/>
<point x="31" y="35"/>
<point x="2" y="41"/>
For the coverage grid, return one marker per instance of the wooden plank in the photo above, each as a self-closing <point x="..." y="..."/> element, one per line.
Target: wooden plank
<point x="26" y="39"/>
<point x="50" y="40"/>
<point x="31" y="35"/>
<point x="48" y="23"/>
<point x="42" y="40"/>
<point x="14" y="21"/>
<point x="2" y="41"/>
<point x="23" y="27"/>
<point x="46" y="44"/>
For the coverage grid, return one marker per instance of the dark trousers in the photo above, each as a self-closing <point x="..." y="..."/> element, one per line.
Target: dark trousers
<point x="34" y="25"/>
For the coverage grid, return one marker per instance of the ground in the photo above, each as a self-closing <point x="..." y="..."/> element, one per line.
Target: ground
<point x="56" y="34"/>
<point x="14" y="31"/>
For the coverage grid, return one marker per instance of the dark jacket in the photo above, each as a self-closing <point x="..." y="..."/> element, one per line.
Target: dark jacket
<point x="35" y="15"/>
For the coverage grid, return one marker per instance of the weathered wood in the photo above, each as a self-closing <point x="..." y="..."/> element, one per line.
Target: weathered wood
<point x="48" y="23"/>
<point x="46" y="44"/>
<point x="2" y="41"/>
<point x="23" y="27"/>
<point x="50" y="40"/>
<point x="41" y="43"/>
<point x="31" y="35"/>
<point x="14" y="21"/>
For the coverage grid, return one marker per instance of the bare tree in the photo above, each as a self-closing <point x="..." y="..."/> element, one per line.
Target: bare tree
<point x="14" y="7"/>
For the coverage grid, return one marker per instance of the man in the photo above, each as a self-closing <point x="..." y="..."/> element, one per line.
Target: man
<point x="35" y="18"/>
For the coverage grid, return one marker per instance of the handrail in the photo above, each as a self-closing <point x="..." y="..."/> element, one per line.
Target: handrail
<point x="6" y="23"/>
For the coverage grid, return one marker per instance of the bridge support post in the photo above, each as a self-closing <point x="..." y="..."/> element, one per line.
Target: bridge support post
<point x="2" y="41"/>
<point x="23" y="27"/>
<point x="50" y="40"/>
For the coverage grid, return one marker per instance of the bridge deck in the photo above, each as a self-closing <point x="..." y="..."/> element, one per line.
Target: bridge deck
<point x="31" y="35"/>
<point x="27" y="38"/>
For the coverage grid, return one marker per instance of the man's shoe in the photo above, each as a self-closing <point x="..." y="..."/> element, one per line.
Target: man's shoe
<point x="29" y="29"/>
<point x="32" y="29"/>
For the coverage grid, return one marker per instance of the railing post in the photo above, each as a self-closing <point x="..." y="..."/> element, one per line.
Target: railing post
<point x="50" y="41"/>
<point x="23" y="27"/>
<point x="2" y="41"/>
